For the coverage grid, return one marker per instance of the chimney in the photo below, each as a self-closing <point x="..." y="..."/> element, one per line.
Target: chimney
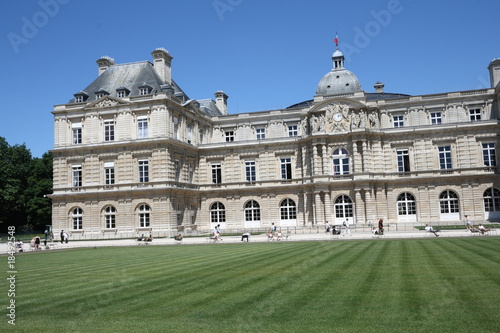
<point x="104" y="63"/>
<point x="162" y="61"/>
<point x="494" y="69"/>
<point x="221" y="101"/>
<point x="379" y="87"/>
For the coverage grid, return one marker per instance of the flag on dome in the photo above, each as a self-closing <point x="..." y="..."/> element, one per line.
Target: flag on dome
<point x="336" y="40"/>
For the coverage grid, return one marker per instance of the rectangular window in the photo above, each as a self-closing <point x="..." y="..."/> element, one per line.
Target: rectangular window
<point x="78" y="99"/>
<point x="261" y="133"/>
<point x="190" y="133"/>
<point x="122" y="93"/>
<point x="110" y="221"/>
<point x="293" y="130"/>
<point x="143" y="91"/>
<point x="144" y="219"/>
<point x="286" y="168"/>
<point x="109" y="130"/>
<point x="77" y="134"/>
<point x="142" y="127"/>
<point x="177" y="170"/>
<point x="403" y="160"/>
<point x="444" y="157"/>
<point x="99" y="95"/>
<point x="398" y="121"/>
<point x="176" y="127"/>
<point x="475" y="114"/>
<point x="436" y="118"/>
<point x="109" y="173"/>
<point x="143" y="171"/>
<point x="489" y="156"/>
<point x="77" y="222"/>
<point x="216" y="173"/>
<point x="229" y="136"/>
<point x="77" y="175"/>
<point x="191" y="171"/>
<point x="250" y="171"/>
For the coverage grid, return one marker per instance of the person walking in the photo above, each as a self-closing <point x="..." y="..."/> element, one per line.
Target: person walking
<point x="468" y="222"/>
<point x="347" y="230"/>
<point x="381" y="227"/>
<point x="62" y="236"/>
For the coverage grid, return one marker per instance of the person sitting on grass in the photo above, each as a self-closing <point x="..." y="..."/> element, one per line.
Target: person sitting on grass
<point x="149" y="239"/>
<point x="482" y="229"/>
<point x="178" y="238"/>
<point x="428" y="228"/>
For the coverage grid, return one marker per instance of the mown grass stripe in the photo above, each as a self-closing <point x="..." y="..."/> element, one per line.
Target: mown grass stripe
<point x="352" y="286"/>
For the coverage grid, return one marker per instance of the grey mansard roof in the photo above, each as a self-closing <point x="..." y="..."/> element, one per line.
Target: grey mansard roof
<point x="130" y="76"/>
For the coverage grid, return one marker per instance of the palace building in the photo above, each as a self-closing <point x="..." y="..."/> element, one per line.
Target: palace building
<point x="133" y="154"/>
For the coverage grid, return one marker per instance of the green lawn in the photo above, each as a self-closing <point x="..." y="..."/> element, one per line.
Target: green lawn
<point x="417" y="285"/>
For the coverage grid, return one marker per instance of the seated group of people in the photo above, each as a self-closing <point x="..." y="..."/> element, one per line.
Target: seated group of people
<point x="480" y="228"/>
<point x="274" y="236"/>
<point x="145" y="239"/>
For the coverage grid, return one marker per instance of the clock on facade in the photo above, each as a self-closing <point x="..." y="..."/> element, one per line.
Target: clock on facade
<point x="337" y="116"/>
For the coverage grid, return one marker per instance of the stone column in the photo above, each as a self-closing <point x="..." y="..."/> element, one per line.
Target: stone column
<point x="370" y="208"/>
<point x="359" y="204"/>
<point x="325" y="160"/>
<point x="328" y="207"/>
<point x="315" y="160"/>
<point x="318" y="216"/>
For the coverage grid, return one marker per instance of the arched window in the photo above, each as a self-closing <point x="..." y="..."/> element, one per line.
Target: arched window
<point x="217" y="213"/>
<point x="491" y="199"/>
<point x="144" y="216"/>
<point x="448" y="201"/>
<point x="406" y="204"/>
<point x="288" y="210"/>
<point x="77" y="217"/>
<point x="340" y="162"/>
<point x="110" y="217"/>
<point x="343" y="207"/>
<point x="252" y="211"/>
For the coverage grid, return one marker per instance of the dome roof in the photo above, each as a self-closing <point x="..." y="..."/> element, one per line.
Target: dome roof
<point x="338" y="81"/>
<point x="337" y="53"/>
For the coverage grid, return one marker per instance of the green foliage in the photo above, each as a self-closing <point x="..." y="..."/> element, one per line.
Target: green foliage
<point x="425" y="285"/>
<point x="23" y="183"/>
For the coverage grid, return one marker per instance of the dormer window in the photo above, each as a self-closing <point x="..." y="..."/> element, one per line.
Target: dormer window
<point x="122" y="92"/>
<point x="101" y="93"/>
<point x="145" y="90"/>
<point x="80" y="97"/>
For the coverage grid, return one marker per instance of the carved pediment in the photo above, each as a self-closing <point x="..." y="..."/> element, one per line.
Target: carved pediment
<point x="105" y="102"/>
<point x="341" y="116"/>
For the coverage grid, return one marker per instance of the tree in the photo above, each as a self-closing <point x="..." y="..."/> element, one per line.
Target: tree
<point x="38" y="205"/>
<point x="23" y="183"/>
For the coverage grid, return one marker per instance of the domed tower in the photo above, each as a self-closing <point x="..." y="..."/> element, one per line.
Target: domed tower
<point x="339" y="80"/>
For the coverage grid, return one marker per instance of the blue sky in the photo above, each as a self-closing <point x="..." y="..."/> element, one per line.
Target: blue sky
<point x="264" y="54"/>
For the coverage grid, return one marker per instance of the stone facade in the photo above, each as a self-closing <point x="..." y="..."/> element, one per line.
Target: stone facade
<point x="134" y="155"/>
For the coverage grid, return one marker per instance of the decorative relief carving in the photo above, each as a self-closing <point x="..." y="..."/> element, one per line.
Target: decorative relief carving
<point x="106" y="103"/>
<point x="339" y="118"/>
